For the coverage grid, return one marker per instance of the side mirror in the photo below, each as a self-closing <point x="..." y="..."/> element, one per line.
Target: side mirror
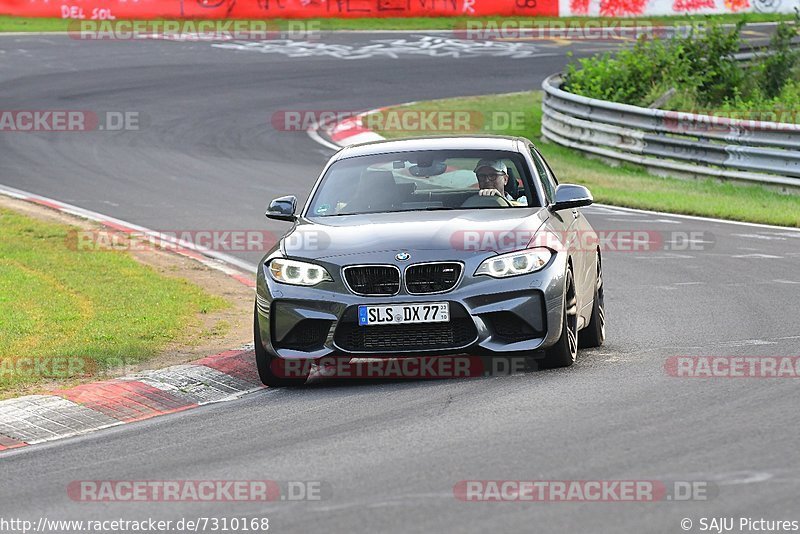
<point x="282" y="209"/>
<point x="570" y="196"/>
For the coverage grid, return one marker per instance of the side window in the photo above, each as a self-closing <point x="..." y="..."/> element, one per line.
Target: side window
<point x="545" y="176"/>
<point x="550" y="174"/>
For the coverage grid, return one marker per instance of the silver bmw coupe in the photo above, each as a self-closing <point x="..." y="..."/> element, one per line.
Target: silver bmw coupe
<point x="429" y="247"/>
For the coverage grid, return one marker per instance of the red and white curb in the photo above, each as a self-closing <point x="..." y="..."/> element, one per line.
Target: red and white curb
<point x="89" y="407"/>
<point x="349" y="131"/>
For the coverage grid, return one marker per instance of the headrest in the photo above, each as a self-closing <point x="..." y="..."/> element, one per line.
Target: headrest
<point x="512" y="185"/>
<point x="377" y="179"/>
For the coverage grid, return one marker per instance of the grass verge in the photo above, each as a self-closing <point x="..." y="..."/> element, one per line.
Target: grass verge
<point x="627" y="185"/>
<point x="69" y="314"/>
<point x="39" y="24"/>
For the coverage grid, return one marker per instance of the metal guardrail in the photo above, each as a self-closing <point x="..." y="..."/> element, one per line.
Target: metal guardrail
<point x="673" y="142"/>
<point x="750" y="53"/>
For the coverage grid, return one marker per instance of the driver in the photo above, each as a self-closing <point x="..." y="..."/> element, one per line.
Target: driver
<point x="492" y="177"/>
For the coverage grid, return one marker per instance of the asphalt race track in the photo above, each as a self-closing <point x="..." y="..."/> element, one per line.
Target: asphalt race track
<point x="389" y="453"/>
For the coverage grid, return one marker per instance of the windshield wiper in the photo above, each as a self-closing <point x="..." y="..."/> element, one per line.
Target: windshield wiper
<point x="355" y="213"/>
<point x="429" y="208"/>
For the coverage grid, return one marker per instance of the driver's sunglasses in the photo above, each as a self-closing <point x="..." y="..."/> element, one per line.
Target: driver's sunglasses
<point x="487" y="177"/>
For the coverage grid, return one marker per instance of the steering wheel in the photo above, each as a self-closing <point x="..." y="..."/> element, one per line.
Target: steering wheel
<point x="488" y="201"/>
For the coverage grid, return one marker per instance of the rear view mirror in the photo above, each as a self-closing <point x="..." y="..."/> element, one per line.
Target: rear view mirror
<point x="426" y="169"/>
<point x="283" y="208"/>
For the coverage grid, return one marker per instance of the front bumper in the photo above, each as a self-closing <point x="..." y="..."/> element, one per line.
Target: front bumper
<point x="488" y="316"/>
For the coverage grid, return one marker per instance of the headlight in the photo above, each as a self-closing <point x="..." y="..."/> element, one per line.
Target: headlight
<point x="515" y="263"/>
<point x="297" y="273"/>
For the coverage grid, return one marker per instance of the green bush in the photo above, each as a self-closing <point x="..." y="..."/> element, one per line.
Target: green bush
<point x="694" y="72"/>
<point x="776" y="70"/>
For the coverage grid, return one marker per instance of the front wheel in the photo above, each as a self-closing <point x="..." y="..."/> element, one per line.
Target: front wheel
<point x="269" y="366"/>
<point x="565" y="351"/>
<point x="595" y="332"/>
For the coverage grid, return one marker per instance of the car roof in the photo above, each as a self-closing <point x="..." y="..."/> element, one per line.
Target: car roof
<point x="465" y="142"/>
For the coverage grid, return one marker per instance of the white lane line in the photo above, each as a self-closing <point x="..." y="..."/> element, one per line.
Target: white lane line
<point x="692" y="244"/>
<point x="632" y="220"/>
<point x="698" y="218"/>
<point x="665" y="257"/>
<point x="758" y="256"/>
<point x="400" y="500"/>
<point x="748" y="343"/>
<point x="765" y="237"/>
<point x="745" y="477"/>
<point x="597" y="209"/>
<point x="721" y="479"/>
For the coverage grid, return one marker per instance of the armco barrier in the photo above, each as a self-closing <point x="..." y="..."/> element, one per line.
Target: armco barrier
<point x="672" y="142"/>
<point x="304" y="9"/>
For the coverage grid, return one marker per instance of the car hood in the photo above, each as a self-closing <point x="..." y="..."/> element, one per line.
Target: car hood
<point x="459" y="233"/>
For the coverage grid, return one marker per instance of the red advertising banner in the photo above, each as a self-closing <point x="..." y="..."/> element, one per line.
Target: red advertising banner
<point x="268" y="9"/>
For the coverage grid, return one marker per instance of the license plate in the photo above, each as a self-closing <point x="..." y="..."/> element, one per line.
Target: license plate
<point x="432" y="312"/>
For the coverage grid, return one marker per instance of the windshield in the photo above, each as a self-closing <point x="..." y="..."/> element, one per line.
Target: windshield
<point x="424" y="180"/>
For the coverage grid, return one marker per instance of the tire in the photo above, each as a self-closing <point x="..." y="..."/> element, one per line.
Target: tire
<point x="565" y="350"/>
<point x="594" y="335"/>
<point x="265" y="362"/>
